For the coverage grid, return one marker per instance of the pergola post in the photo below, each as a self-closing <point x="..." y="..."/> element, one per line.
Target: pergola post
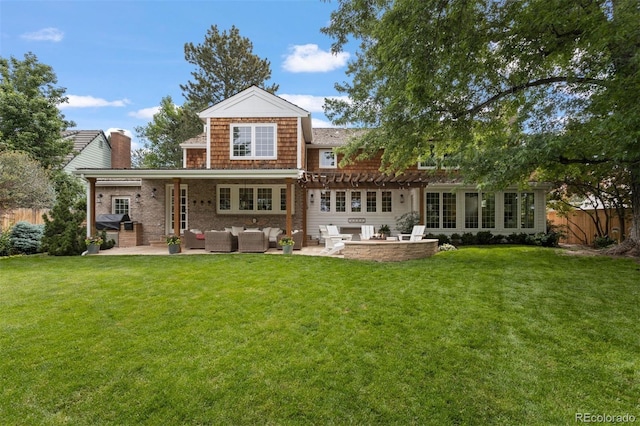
<point x="91" y="205"/>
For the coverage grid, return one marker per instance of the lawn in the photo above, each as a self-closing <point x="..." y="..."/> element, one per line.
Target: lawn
<point x="500" y="335"/>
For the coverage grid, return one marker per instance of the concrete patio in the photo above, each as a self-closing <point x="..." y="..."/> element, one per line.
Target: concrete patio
<point x="162" y="250"/>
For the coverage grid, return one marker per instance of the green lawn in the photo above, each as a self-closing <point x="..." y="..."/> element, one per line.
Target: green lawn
<point x="501" y="335"/>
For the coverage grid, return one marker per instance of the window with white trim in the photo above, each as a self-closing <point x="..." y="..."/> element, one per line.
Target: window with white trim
<point x="254" y="198"/>
<point x="120" y="205"/>
<point x="253" y="141"/>
<point x="522" y="203"/>
<point x="440" y="210"/>
<point x="327" y="159"/>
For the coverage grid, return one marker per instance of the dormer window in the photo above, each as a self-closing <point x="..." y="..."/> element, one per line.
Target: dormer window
<point x="253" y="141"/>
<point x="327" y="159"/>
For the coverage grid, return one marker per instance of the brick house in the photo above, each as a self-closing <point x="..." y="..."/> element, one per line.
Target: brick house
<point x="259" y="163"/>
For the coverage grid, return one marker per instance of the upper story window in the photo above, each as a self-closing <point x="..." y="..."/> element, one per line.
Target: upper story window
<point x="431" y="161"/>
<point x="253" y="141"/>
<point x="327" y="159"/>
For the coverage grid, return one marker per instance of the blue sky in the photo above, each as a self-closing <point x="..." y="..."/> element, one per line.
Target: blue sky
<point x="117" y="59"/>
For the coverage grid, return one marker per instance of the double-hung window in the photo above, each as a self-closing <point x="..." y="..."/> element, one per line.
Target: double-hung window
<point x="253" y="141"/>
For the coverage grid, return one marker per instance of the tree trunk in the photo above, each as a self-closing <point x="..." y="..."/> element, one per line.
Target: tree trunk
<point x="631" y="245"/>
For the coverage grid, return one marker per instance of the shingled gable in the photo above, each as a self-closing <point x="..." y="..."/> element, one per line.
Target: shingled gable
<point x="256" y="102"/>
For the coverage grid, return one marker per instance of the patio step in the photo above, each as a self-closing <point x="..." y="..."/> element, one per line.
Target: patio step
<point x="158" y="243"/>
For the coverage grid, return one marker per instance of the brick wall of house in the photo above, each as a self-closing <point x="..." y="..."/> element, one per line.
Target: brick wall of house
<point x="287" y="144"/>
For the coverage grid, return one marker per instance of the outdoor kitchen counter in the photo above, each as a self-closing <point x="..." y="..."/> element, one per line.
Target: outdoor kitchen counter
<point x="389" y="251"/>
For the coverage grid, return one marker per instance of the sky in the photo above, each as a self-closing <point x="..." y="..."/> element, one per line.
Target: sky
<point x="117" y="59"/>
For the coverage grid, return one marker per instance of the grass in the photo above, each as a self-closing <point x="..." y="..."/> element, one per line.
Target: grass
<point x="515" y="335"/>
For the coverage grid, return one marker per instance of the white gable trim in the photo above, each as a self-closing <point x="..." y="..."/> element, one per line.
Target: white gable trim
<point x="253" y="102"/>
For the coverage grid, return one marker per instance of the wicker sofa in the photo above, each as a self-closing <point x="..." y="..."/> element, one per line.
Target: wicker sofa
<point x="220" y="241"/>
<point x="297" y="240"/>
<point x="193" y="240"/>
<point x="253" y="242"/>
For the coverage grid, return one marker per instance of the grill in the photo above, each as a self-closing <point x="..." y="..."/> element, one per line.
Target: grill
<point x="110" y="221"/>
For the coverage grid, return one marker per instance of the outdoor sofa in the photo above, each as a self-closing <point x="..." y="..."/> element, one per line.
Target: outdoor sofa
<point x="220" y="241"/>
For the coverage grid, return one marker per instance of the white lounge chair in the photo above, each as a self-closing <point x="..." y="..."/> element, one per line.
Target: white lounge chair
<point x="367" y="231"/>
<point x="333" y="239"/>
<point x="415" y="235"/>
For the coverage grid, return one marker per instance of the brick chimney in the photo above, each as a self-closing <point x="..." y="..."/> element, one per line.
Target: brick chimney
<point x="120" y="150"/>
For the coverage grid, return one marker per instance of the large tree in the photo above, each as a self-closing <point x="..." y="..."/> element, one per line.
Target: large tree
<point x="510" y="88"/>
<point x="23" y="182"/>
<point x="162" y="137"/>
<point x="30" y="120"/>
<point x="225" y="65"/>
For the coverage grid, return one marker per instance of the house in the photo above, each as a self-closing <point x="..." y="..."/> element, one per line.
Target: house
<point x="259" y="163"/>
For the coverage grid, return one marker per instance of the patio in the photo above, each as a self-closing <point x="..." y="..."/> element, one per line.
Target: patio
<point x="162" y="250"/>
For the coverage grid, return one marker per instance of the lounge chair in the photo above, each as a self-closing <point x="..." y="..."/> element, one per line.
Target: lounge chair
<point x="252" y="242"/>
<point x="367" y="231"/>
<point x="415" y="235"/>
<point x="193" y="240"/>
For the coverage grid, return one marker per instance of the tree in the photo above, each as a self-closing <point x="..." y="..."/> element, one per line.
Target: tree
<point x="510" y="88"/>
<point x="162" y="137"/>
<point x="30" y="120"/>
<point x="64" y="233"/>
<point x="225" y="65"/>
<point x="23" y="182"/>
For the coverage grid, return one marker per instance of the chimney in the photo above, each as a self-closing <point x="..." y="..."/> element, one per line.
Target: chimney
<point x="120" y="150"/>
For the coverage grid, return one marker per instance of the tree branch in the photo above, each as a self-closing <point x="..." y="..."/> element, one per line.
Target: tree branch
<point x="528" y="85"/>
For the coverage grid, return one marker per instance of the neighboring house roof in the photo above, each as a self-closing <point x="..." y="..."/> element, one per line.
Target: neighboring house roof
<point x="334" y="137"/>
<point x="199" y="141"/>
<point x="81" y="139"/>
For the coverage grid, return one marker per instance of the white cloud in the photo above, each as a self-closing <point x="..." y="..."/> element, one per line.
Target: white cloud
<point x="76" y="101"/>
<point x="45" y="34"/>
<point x="309" y="58"/>
<point x="309" y="102"/>
<point x="118" y="129"/>
<point x="145" y="113"/>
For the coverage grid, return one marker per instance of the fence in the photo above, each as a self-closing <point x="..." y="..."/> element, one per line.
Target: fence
<point x="579" y="228"/>
<point x="33" y="216"/>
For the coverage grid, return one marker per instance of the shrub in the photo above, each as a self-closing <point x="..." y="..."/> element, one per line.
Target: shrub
<point x="484" y="237"/>
<point x="63" y="231"/>
<point x="26" y="238"/>
<point x="443" y="239"/>
<point x="518" y="238"/>
<point x="456" y="239"/>
<point x="406" y="222"/>
<point x="106" y="244"/>
<point x="602" y="242"/>
<point x="447" y="247"/>
<point x="468" y="239"/>
<point x="5" y="242"/>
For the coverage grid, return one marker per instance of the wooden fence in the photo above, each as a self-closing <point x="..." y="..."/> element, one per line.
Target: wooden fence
<point x="579" y="228"/>
<point x="11" y="217"/>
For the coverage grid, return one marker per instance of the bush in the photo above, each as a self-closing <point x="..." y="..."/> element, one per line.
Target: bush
<point x="456" y="239"/>
<point x="406" y="222"/>
<point x="484" y="237"/>
<point x="468" y="239"/>
<point x="447" y="247"/>
<point x="5" y="242"/>
<point x="443" y="239"/>
<point x="106" y="244"/>
<point x="26" y="238"/>
<point x="603" y="242"/>
<point x="518" y="238"/>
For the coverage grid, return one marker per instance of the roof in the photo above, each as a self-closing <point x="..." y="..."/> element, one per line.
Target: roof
<point x="333" y="137"/>
<point x="81" y="138"/>
<point x="199" y="141"/>
<point x="257" y="102"/>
